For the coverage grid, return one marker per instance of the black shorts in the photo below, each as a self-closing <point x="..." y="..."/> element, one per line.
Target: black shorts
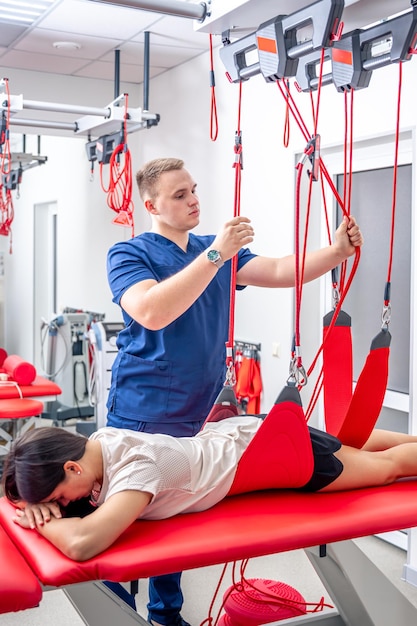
<point x="326" y="466"/>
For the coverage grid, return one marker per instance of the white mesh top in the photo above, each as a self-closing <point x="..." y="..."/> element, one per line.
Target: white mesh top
<point x="183" y="474"/>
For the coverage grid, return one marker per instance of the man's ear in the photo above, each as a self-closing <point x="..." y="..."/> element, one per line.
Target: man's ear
<point x="149" y="206"/>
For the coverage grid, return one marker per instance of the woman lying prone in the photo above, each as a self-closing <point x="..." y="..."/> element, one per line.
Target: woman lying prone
<point x="131" y="475"/>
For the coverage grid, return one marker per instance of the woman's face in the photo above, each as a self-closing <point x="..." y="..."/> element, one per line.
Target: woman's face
<point x="76" y="485"/>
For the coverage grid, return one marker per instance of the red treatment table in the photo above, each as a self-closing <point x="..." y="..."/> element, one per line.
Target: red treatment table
<point x="20" y="405"/>
<point x="242" y="526"/>
<point x="41" y="388"/>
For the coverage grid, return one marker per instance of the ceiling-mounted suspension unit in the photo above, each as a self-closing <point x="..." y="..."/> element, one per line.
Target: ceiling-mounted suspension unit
<point x="284" y="49"/>
<point x="356" y="54"/>
<point x="282" y="41"/>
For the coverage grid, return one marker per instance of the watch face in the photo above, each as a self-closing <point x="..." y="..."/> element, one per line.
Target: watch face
<point x="213" y="255"/>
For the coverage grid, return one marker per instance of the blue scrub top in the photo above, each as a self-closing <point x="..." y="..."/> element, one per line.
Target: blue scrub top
<point x="173" y="374"/>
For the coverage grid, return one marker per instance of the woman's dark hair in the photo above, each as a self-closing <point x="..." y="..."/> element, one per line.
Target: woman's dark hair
<point x="34" y="467"/>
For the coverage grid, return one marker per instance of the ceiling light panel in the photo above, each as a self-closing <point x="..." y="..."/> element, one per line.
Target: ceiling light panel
<point x="23" y="12"/>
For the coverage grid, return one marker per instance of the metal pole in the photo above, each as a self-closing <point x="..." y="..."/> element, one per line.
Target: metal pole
<point x="179" y="8"/>
<point x="65" y="108"/>
<point x="116" y="74"/>
<point x="43" y="124"/>
<point x="146" y="58"/>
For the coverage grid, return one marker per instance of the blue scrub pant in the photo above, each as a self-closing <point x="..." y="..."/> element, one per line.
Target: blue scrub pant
<point x="165" y="595"/>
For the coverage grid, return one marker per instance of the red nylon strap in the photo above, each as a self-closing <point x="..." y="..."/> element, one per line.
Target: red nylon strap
<point x="225" y="406"/>
<point x="337" y="370"/>
<point x="369" y="393"/>
<point x="280" y="454"/>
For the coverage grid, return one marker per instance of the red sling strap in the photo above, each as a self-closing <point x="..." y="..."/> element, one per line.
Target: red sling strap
<point x="337" y="370"/>
<point x="369" y="393"/>
<point x="225" y="406"/>
<point x="280" y="455"/>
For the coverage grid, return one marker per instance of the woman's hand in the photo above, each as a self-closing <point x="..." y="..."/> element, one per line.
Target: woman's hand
<point x="36" y="515"/>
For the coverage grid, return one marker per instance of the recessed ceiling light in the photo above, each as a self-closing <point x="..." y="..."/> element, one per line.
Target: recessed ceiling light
<point x="69" y="45"/>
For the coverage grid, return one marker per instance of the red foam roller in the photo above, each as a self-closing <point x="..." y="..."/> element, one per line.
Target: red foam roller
<point x="19" y="370"/>
<point x="3" y="356"/>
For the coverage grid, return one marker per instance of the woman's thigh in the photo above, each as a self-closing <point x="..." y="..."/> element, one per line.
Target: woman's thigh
<point x="362" y="469"/>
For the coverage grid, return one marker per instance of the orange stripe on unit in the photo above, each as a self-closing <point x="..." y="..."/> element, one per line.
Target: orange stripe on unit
<point x="267" y="45"/>
<point x="342" y="56"/>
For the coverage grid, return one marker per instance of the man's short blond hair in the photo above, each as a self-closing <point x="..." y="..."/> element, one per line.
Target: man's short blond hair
<point x="148" y="176"/>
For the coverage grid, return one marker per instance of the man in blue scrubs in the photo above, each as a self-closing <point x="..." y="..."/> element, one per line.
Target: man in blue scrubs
<point x="174" y="289"/>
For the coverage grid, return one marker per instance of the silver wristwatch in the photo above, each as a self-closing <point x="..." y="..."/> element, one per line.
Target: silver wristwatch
<point x="215" y="257"/>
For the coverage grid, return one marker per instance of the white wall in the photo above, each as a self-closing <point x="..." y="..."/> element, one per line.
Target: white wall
<point x="182" y="98"/>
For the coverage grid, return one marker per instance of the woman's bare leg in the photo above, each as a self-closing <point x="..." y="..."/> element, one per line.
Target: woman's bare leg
<point x="384" y="439"/>
<point x="363" y="468"/>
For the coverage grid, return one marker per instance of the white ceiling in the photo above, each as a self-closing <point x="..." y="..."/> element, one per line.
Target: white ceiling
<point x="101" y="28"/>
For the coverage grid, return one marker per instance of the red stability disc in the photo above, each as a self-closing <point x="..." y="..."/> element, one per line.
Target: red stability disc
<point x="260" y="601"/>
<point x="225" y="620"/>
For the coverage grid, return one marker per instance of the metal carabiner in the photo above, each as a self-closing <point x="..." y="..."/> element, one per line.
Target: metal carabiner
<point x="386" y="316"/>
<point x="298" y="375"/>
<point x="230" y="375"/>
<point x="335" y="296"/>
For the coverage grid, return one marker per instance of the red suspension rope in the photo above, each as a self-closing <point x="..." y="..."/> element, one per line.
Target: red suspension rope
<point x="214" y="124"/>
<point x="242" y="584"/>
<point x="231" y="375"/>
<point x="6" y="200"/>
<point x="387" y="295"/>
<point x="119" y="189"/>
<point x="324" y="175"/>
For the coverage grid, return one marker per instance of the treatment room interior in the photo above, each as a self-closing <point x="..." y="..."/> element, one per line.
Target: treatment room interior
<point x="72" y="200"/>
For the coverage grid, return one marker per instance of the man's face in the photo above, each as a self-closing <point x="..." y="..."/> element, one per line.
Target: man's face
<point x="176" y="204"/>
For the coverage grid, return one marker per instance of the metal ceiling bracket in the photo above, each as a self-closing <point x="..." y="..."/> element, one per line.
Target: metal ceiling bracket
<point x="95" y="121"/>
